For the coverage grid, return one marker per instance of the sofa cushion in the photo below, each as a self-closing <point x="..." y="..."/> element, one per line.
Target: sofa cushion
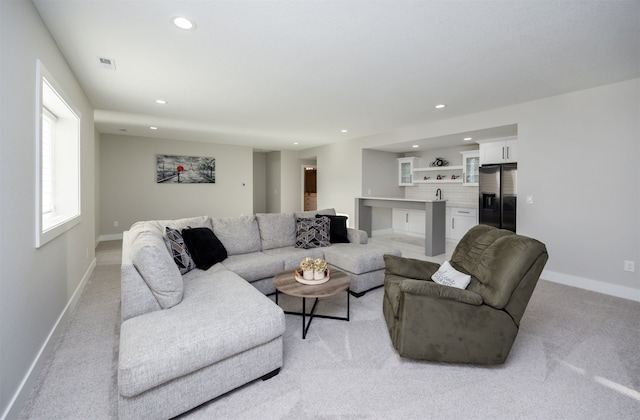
<point x="277" y="230"/>
<point x="154" y="263"/>
<point x="357" y="259"/>
<point x="497" y="260"/>
<point x="312" y="232"/>
<point x="337" y="229"/>
<point x="239" y="235"/>
<point x="292" y="256"/>
<point x="254" y="266"/>
<point x="205" y="248"/>
<point x="222" y="316"/>
<point x="178" y="250"/>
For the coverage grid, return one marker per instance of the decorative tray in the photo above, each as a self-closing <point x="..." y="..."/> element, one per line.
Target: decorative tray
<point x="300" y="279"/>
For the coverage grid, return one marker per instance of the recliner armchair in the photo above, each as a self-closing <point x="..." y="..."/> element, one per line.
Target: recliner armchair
<point x="479" y="324"/>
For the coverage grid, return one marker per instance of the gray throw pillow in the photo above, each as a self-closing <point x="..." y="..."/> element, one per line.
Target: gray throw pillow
<point x="152" y="260"/>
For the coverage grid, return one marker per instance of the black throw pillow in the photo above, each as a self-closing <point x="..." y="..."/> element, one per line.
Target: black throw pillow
<point x="204" y="246"/>
<point x="337" y="229"/>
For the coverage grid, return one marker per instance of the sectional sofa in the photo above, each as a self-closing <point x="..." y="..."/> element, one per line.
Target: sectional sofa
<point x="190" y="335"/>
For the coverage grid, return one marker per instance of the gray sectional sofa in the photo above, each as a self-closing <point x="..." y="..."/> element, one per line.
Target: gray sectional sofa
<point x="188" y="338"/>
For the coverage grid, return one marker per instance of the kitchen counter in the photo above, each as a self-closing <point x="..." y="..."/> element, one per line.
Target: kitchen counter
<point x="435" y="218"/>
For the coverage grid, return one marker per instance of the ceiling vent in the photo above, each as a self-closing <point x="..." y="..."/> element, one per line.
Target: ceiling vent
<point x="107" y="63"/>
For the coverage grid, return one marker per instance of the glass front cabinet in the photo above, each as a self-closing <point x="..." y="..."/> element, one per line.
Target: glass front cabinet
<point x="405" y="171"/>
<point x="470" y="168"/>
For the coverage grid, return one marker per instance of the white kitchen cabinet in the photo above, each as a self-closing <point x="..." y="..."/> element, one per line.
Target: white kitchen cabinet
<point x="503" y="151"/>
<point x="417" y="222"/>
<point x="405" y="171"/>
<point x="470" y="168"/>
<point x="408" y="221"/>
<point x="400" y="220"/>
<point x="459" y="221"/>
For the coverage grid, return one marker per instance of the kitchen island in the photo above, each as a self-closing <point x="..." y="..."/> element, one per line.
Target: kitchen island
<point x="435" y="218"/>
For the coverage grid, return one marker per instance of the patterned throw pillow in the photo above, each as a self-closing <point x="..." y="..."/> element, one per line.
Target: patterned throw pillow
<point x="178" y="250"/>
<point x="312" y="233"/>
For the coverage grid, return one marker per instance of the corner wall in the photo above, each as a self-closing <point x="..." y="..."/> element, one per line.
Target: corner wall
<point x="129" y="192"/>
<point x="39" y="287"/>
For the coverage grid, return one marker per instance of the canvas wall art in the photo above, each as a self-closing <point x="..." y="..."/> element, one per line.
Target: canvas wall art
<point x="172" y="169"/>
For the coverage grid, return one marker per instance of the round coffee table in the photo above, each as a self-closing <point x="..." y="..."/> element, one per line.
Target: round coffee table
<point x="286" y="283"/>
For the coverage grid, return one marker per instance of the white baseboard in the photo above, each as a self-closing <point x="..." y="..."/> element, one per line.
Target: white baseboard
<point x="111" y="237"/>
<point x="592" y="285"/>
<point x="30" y="380"/>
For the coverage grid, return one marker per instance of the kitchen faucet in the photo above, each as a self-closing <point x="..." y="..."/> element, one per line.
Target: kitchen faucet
<point x="439" y="194"/>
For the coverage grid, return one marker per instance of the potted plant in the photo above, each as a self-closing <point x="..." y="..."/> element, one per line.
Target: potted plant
<point x="319" y="269"/>
<point x="307" y="267"/>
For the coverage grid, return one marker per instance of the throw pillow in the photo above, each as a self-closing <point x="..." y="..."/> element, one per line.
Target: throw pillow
<point x="205" y="248"/>
<point x="150" y="257"/>
<point x="337" y="229"/>
<point x="449" y="276"/>
<point x="178" y="250"/>
<point x="312" y="233"/>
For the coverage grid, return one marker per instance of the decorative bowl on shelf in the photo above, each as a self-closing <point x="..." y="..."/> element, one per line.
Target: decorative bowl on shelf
<point x="300" y="278"/>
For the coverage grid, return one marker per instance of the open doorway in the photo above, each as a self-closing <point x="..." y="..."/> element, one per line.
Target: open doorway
<point x="310" y="190"/>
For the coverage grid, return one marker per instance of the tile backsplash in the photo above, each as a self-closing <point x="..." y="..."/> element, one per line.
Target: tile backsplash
<point x="455" y="194"/>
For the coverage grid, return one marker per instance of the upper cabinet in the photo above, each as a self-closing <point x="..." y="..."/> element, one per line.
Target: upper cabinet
<point x="499" y="151"/>
<point x="470" y="168"/>
<point x="405" y="171"/>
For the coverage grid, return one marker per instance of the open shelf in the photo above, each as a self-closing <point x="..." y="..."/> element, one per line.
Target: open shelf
<point x="439" y="168"/>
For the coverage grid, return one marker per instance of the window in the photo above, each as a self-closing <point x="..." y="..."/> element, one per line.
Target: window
<point x="57" y="160"/>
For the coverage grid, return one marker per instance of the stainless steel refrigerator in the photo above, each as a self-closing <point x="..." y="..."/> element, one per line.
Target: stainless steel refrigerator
<point x="498" y="195"/>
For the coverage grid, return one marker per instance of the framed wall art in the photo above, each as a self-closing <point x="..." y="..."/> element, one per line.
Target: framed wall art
<point x="173" y="169"/>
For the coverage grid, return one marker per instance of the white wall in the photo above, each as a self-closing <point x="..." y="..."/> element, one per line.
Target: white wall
<point x="273" y="182"/>
<point x="577" y="156"/>
<point x="291" y="182"/>
<point x="129" y="191"/>
<point x="259" y="183"/>
<point x="37" y="286"/>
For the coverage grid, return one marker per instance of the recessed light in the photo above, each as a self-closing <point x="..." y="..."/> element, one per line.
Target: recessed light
<point x="440" y="106"/>
<point x="415" y="146"/>
<point x="467" y="138"/>
<point x="161" y="101"/>
<point x="344" y="131"/>
<point x="153" y="128"/>
<point x="295" y="143"/>
<point x="183" y="23"/>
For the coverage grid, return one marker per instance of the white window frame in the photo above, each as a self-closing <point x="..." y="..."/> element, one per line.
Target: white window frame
<point x="62" y="211"/>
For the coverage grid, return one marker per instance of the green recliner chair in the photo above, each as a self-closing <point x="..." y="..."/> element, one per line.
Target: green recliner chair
<point x="479" y="324"/>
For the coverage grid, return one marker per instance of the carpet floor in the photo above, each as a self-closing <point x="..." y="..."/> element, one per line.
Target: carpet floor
<point x="577" y="356"/>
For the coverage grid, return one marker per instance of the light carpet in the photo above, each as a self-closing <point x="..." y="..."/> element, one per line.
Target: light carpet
<point x="577" y="356"/>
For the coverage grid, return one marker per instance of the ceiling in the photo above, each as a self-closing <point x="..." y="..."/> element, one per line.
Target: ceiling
<point x="290" y="75"/>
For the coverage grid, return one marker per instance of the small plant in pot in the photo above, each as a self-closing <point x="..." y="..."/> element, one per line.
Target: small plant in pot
<point x="307" y="267"/>
<point x="319" y="269"/>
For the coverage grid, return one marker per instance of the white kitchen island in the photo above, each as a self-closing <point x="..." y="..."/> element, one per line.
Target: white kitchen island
<point x="435" y="218"/>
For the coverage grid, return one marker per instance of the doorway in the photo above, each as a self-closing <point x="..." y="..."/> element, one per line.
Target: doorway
<point x="310" y="188"/>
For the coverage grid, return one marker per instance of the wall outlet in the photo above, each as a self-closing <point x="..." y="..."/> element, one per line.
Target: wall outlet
<point x="629" y="266"/>
<point x="115" y="223"/>
<point x="529" y="199"/>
